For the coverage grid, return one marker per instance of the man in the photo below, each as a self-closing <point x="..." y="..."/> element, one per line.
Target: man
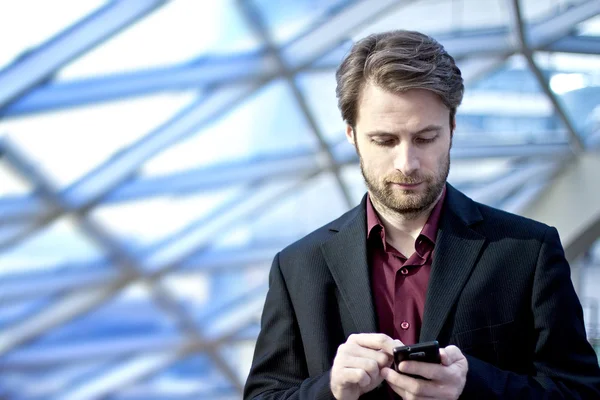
<point x="417" y="261"/>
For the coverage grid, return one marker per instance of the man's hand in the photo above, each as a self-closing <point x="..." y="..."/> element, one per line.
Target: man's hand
<point x="358" y="362"/>
<point x="446" y="381"/>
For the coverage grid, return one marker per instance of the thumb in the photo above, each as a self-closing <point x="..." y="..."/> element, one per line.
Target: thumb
<point x="450" y="355"/>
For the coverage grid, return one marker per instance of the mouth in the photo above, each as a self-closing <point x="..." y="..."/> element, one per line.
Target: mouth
<point x="407" y="186"/>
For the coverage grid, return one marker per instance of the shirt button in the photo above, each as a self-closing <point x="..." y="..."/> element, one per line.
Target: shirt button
<point x="405" y="325"/>
<point x="404" y="271"/>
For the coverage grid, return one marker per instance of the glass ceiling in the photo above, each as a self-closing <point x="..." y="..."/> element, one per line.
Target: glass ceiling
<point x="149" y="174"/>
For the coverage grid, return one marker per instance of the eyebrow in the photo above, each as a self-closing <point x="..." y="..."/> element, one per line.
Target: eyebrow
<point x="427" y="129"/>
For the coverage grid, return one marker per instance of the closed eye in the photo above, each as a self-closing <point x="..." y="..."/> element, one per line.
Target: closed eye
<point x="384" y="142"/>
<point x="425" y="140"/>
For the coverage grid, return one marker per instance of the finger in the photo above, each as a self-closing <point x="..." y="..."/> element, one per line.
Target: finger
<point x="350" y="376"/>
<point x="408" y="387"/>
<point x="380" y="357"/>
<point x="389" y="346"/>
<point x="450" y="355"/>
<point x="435" y="372"/>
<point x="375" y="341"/>
<point x="366" y="364"/>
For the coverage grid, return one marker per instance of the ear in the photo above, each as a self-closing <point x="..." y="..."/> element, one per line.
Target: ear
<point x="453" y="128"/>
<point x="350" y="135"/>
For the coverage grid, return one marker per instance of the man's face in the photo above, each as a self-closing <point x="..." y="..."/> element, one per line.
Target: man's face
<point x="403" y="142"/>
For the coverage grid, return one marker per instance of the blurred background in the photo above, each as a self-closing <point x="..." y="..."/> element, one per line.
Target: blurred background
<point x="155" y="155"/>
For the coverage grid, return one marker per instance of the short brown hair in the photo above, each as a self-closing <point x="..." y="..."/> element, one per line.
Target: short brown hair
<point x="397" y="61"/>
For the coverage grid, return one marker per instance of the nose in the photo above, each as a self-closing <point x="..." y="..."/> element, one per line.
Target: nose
<point x="407" y="159"/>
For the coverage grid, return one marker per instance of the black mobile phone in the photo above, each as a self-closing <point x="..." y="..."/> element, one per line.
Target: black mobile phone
<point x="425" y="352"/>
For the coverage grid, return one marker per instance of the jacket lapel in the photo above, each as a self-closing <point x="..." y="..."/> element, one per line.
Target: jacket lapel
<point x="456" y="252"/>
<point x="346" y="256"/>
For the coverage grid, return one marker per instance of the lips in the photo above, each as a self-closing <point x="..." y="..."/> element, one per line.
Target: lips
<point x="407" y="186"/>
<point x="406" y="183"/>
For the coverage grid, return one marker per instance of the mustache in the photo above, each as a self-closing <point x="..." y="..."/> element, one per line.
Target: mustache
<point x="404" y="180"/>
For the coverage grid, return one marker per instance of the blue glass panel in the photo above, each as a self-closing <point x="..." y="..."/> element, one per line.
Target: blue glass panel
<point x="132" y="313"/>
<point x="319" y="91"/>
<point x="507" y="107"/>
<point x="440" y="16"/>
<point x="193" y="377"/>
<point x="269" y="122"/>
<point x="19" y="311"/>
<point x="142" y="223"/>
<point x="288" y="19"/>
<point x="68" y="143"/>
<point x="576" y="82"/>
<point x="39" y="381"/>
<point x="57" y="247"/>
<point x="10" y="183"/>
<point x="179" y="31"/>
<point x="49" y="19"/>
<point x="591" y="27"/>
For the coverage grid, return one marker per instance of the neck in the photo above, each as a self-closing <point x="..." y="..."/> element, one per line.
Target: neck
<point x="399" y="226"/>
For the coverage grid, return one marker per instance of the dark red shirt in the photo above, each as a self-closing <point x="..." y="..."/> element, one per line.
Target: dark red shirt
<point x="399" y="284"/>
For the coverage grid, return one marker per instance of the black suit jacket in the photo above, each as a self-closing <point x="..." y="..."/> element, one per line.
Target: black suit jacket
<point x="499" y="289"/>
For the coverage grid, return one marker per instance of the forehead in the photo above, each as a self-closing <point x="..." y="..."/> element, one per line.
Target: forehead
<point x="412" y="107"/>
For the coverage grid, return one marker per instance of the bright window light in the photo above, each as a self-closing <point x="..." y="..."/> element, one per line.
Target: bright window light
<point x="563" y="83"/>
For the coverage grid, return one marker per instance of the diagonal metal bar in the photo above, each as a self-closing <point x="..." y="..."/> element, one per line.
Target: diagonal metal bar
<point x="576" y="44"/>
<point x="559" y="25"/>
<point x="32" y="69"/>
<point x="520" y="35"/>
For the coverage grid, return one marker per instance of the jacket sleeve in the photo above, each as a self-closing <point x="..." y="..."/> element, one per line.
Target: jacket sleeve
<point x="564" y="363"/>
<point x="279" y="368"/>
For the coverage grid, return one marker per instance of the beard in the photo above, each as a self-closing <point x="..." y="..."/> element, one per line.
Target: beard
<point x="408" y="203"/>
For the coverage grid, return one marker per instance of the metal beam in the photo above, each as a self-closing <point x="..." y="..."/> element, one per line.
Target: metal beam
<point x="523" y="42"/>
<point x="576" y="44"/>
<point x="561" y="24"/>
<point x="204" y="74"/>
<point x="571" y="203"/>
<point x="28" y="71"/>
